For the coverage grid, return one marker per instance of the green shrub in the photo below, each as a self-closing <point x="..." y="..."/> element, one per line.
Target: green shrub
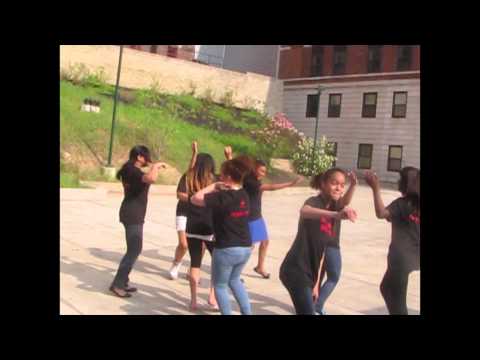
<point x="309" y="161"/>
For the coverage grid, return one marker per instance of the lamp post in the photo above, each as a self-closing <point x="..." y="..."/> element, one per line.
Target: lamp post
<point x="320" y="89"/>
<point x="115" y="107"/>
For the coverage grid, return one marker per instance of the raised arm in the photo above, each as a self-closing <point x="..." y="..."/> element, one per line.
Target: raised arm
<point x="152" y="175"/>
<point x="228" y="152"/>
<point x="271" y="187"/>
<point x="347" y="198"/>
<point x="380" y="211"/>
<point x="193" y="160"/>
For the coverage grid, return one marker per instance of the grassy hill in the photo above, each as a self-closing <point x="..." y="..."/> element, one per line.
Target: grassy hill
<point x="167" y="124"/>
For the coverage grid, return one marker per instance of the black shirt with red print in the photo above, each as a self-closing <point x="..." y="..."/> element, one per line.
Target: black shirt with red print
<point x="404" y="249"/>
<point x="301" y="265"/>
<point x="231" y="211"/>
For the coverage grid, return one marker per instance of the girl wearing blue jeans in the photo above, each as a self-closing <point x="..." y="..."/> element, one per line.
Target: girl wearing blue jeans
<point x="319" y="225"/>
<point x="230" y="209"/>
<point x="332" y="264"/>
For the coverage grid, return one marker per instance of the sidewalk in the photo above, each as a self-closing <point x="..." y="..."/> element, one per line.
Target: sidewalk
<point x="92" y="242"/>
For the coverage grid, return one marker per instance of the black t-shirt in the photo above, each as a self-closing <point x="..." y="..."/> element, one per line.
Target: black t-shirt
<point x="199" y="220"/>
<point x="134" y="204"/>
<point x="230" y="217"/>
<point x="301" y="265"/>
<point x="182" y="206"/>
<point x="405" y="246"/>
<point x="252" y="186"/>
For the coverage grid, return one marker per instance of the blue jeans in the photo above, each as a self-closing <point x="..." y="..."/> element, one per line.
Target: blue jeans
<point x="134" y="235"/>
<point x="227" y="265"/>
<point x="333" y="265"/>
<point x="302" y="298"/>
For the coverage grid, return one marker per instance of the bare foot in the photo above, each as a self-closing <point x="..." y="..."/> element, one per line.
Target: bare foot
<point x="193" y="307"/>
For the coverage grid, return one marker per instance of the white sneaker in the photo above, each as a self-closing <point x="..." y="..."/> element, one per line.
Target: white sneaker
<point x="174" y="271"/>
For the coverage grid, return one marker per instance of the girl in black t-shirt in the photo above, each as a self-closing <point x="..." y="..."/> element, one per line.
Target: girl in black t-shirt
<point x="230" y="206"/>
<point x="132" y="212"/>
<point x="319" y="224"/>
<point x="332" y="264"/>
<point x="199" y="229"/>
<point x="404" y="251"/>
<point x="181" y="217"/>
<point x="254" y="187"/>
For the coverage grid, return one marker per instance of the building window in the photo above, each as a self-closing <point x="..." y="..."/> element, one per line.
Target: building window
<point x="153" y="49"/>
<point x="369" y="109"/>
<point x="365" y="156"/>
<point x="374" y="58"/>
<point x="339" y="59"/>
<point x="317" y="60"/>
<point x="395" y="158"/>
<point x="334" y="104"/>
<point x="399" y="104"/>
<point x="312" y="105"/>
<point x="333" y="152"/>
<point x="404" y="58"/>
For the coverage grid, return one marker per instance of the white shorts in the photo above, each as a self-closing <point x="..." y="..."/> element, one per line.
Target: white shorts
<point x="181" y="223"/>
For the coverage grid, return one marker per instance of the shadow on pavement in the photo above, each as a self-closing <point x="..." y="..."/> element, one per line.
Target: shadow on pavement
<point x="96" y="280"/>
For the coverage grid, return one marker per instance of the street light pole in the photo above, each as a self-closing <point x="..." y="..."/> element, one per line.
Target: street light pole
<point x="115" y="107"/>
<point x="320" y="89"/>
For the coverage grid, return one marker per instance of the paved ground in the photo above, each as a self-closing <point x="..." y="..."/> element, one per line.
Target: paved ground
<point x="92" y="243"/>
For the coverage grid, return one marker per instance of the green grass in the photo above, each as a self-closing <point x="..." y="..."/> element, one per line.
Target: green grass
<point x="163" y="128"/>
<point x="69" y="180"/>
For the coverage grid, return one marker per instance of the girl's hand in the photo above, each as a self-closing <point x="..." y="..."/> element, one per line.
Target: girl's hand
<point x="315" y="294"/>
<point x="297" y="180"/>
<point x="195" y="147"/>
<point x="160" y="165"/>
<point x="347" y="213"/>
<point x="353" y="178"/>
<point x="372" y="179"/>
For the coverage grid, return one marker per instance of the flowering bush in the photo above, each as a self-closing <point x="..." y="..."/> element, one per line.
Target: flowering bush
<point x="279" y="137"/>
<point x="308" y="162"/>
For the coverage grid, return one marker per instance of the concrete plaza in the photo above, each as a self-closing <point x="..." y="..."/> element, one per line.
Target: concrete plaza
<point x="92" y="242"/>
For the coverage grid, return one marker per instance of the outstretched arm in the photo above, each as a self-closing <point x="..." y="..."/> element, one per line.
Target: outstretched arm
<point x="347" y="198"/>
<point x="310" y="212"/>
<point x="380" y="211"/>
<point x="271" y="187"/>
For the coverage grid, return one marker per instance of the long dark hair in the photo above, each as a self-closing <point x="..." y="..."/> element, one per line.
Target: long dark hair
<point x="406" y="174"/>
<point x="409" y="176"/>
<point x="202" y="174"/>
<point x="139" y="150"/>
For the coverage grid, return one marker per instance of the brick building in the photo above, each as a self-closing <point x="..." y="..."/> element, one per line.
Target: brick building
<point x="370" y="105"/>
<point x="186" y="52"/>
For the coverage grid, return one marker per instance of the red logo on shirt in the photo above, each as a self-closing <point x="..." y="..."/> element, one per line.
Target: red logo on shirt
<point x="238" y="214"/>
<point x="414" y="218"/>
<point x="243" y="204"/>
<point x="326" y="226"/>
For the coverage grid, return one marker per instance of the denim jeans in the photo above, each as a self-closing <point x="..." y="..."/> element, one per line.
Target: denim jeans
<point x="134" y="235"/>
<point x="333" y="265"/>
<point x="302" y="298"/>
<point x="227" y="265"/>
